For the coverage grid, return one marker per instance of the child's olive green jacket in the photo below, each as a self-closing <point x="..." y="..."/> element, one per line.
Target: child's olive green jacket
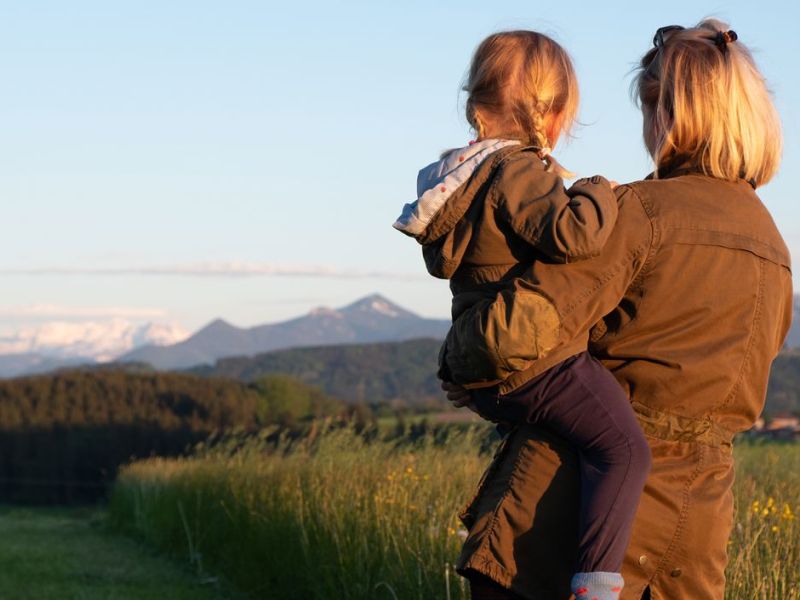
<point x="487" y="212"/>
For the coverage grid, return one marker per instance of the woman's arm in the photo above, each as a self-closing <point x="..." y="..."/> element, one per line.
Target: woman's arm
<point x="550" y="306"/>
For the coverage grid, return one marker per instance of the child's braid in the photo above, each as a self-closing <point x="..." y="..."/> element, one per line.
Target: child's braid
<point x="475" y="120"/>
<point x="538" y="109"/>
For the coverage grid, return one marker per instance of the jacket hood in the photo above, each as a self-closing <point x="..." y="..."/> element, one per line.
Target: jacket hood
<point x="439" y="181"/>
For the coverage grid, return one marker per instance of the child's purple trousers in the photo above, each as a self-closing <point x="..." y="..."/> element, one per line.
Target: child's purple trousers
<point x="580" y="400"/>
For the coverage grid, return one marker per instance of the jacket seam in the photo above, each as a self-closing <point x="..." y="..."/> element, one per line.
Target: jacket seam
<point x="681" y="526"/>
<point x="637" y="282"/>
<point x="742" y="236"/>
<point x="750" y="343"/>
<point x="735" y="249"/>
<point x="655" y="241"/>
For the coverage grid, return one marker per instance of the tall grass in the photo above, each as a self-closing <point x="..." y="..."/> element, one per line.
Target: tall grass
<point x="334" y="517"/>
<point x="764" y="547"/>
<point x="340" y="516"/>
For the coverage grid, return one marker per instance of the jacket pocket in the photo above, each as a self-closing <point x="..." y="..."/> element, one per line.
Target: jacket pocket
<point x="495" y="338"/>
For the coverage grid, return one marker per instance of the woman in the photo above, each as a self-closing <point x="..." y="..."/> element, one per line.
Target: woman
<point x="692" y="299"/>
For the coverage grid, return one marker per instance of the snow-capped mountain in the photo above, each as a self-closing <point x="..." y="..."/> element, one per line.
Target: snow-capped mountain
<point x="371" y="319"/>
<point x="63" y="343"/>
<point x="99" y="340"/>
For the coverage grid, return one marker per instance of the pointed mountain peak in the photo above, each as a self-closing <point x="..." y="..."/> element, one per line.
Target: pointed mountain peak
<point x="216" y="326"/>
<point x="377" y="304"/>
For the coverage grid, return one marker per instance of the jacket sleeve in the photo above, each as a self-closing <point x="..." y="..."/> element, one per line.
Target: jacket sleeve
<point x="565" y="225"/>
<point x="548" y="307"/>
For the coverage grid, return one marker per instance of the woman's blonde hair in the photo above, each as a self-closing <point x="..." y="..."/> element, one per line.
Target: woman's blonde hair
<point x="526" y="82"/>
<point x="707" y="105"/>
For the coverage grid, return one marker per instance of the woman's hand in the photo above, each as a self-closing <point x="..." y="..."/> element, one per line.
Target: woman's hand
<point x="458" y="395"/>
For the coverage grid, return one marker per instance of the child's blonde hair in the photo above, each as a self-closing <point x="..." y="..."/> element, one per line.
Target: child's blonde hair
<point x="525" y="82"/>
<point x="707" y="106"/>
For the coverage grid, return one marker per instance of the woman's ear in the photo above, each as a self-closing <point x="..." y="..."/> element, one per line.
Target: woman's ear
<point x="656" y="125"/>
<point x="650" y="129"/>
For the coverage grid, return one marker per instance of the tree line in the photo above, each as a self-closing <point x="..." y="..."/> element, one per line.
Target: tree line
<point x="63" y="436"/>
<point x="403" y="374"/>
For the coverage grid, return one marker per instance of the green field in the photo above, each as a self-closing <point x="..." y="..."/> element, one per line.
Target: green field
<point x="338" y="516"/>
<point x="69" y="554"/>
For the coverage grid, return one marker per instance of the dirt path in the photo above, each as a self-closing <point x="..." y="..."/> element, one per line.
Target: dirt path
<point x="68" y="554"/>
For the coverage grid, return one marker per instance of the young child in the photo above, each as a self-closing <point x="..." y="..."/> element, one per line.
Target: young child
<point x="484" y="213"/>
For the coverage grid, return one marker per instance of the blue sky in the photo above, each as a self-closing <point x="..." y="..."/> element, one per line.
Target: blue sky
<point x="161" y="159"/>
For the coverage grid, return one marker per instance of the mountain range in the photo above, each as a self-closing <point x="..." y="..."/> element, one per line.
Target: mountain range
<point x="371" y="319"/>
<point x="167" y="346"/>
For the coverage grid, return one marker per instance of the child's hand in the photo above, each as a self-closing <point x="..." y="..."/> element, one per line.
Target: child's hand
<point x="595" y="179"/>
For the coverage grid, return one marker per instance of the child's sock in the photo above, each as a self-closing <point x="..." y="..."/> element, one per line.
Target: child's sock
<point x="597" y="585"/>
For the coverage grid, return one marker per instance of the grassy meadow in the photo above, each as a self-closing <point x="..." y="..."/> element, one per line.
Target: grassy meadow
<point x="70" y="554"/>
<point x="340" y="515"/>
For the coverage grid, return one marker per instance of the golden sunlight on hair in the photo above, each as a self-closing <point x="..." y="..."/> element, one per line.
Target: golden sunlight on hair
<point x="706" y="105"/>
<point x="522" y="85"/>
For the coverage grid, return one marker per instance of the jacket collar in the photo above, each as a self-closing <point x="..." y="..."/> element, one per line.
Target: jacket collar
<point x="681" y="165"/>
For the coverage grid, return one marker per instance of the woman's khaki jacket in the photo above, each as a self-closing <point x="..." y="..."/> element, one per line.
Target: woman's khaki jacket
<point x="692" y="297"/>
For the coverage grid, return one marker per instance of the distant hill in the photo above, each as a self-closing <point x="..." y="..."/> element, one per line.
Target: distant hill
<point x="406" y="371"/>
<point x="784" y="384"/>
<point x="793" y="339"/>
<point x="30" y="363"/>
<point x="371" y="319"/>
<point x="370" y="373"/>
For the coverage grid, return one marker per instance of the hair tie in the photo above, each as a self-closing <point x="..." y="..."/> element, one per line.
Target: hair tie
<point x="724" y="38"/>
